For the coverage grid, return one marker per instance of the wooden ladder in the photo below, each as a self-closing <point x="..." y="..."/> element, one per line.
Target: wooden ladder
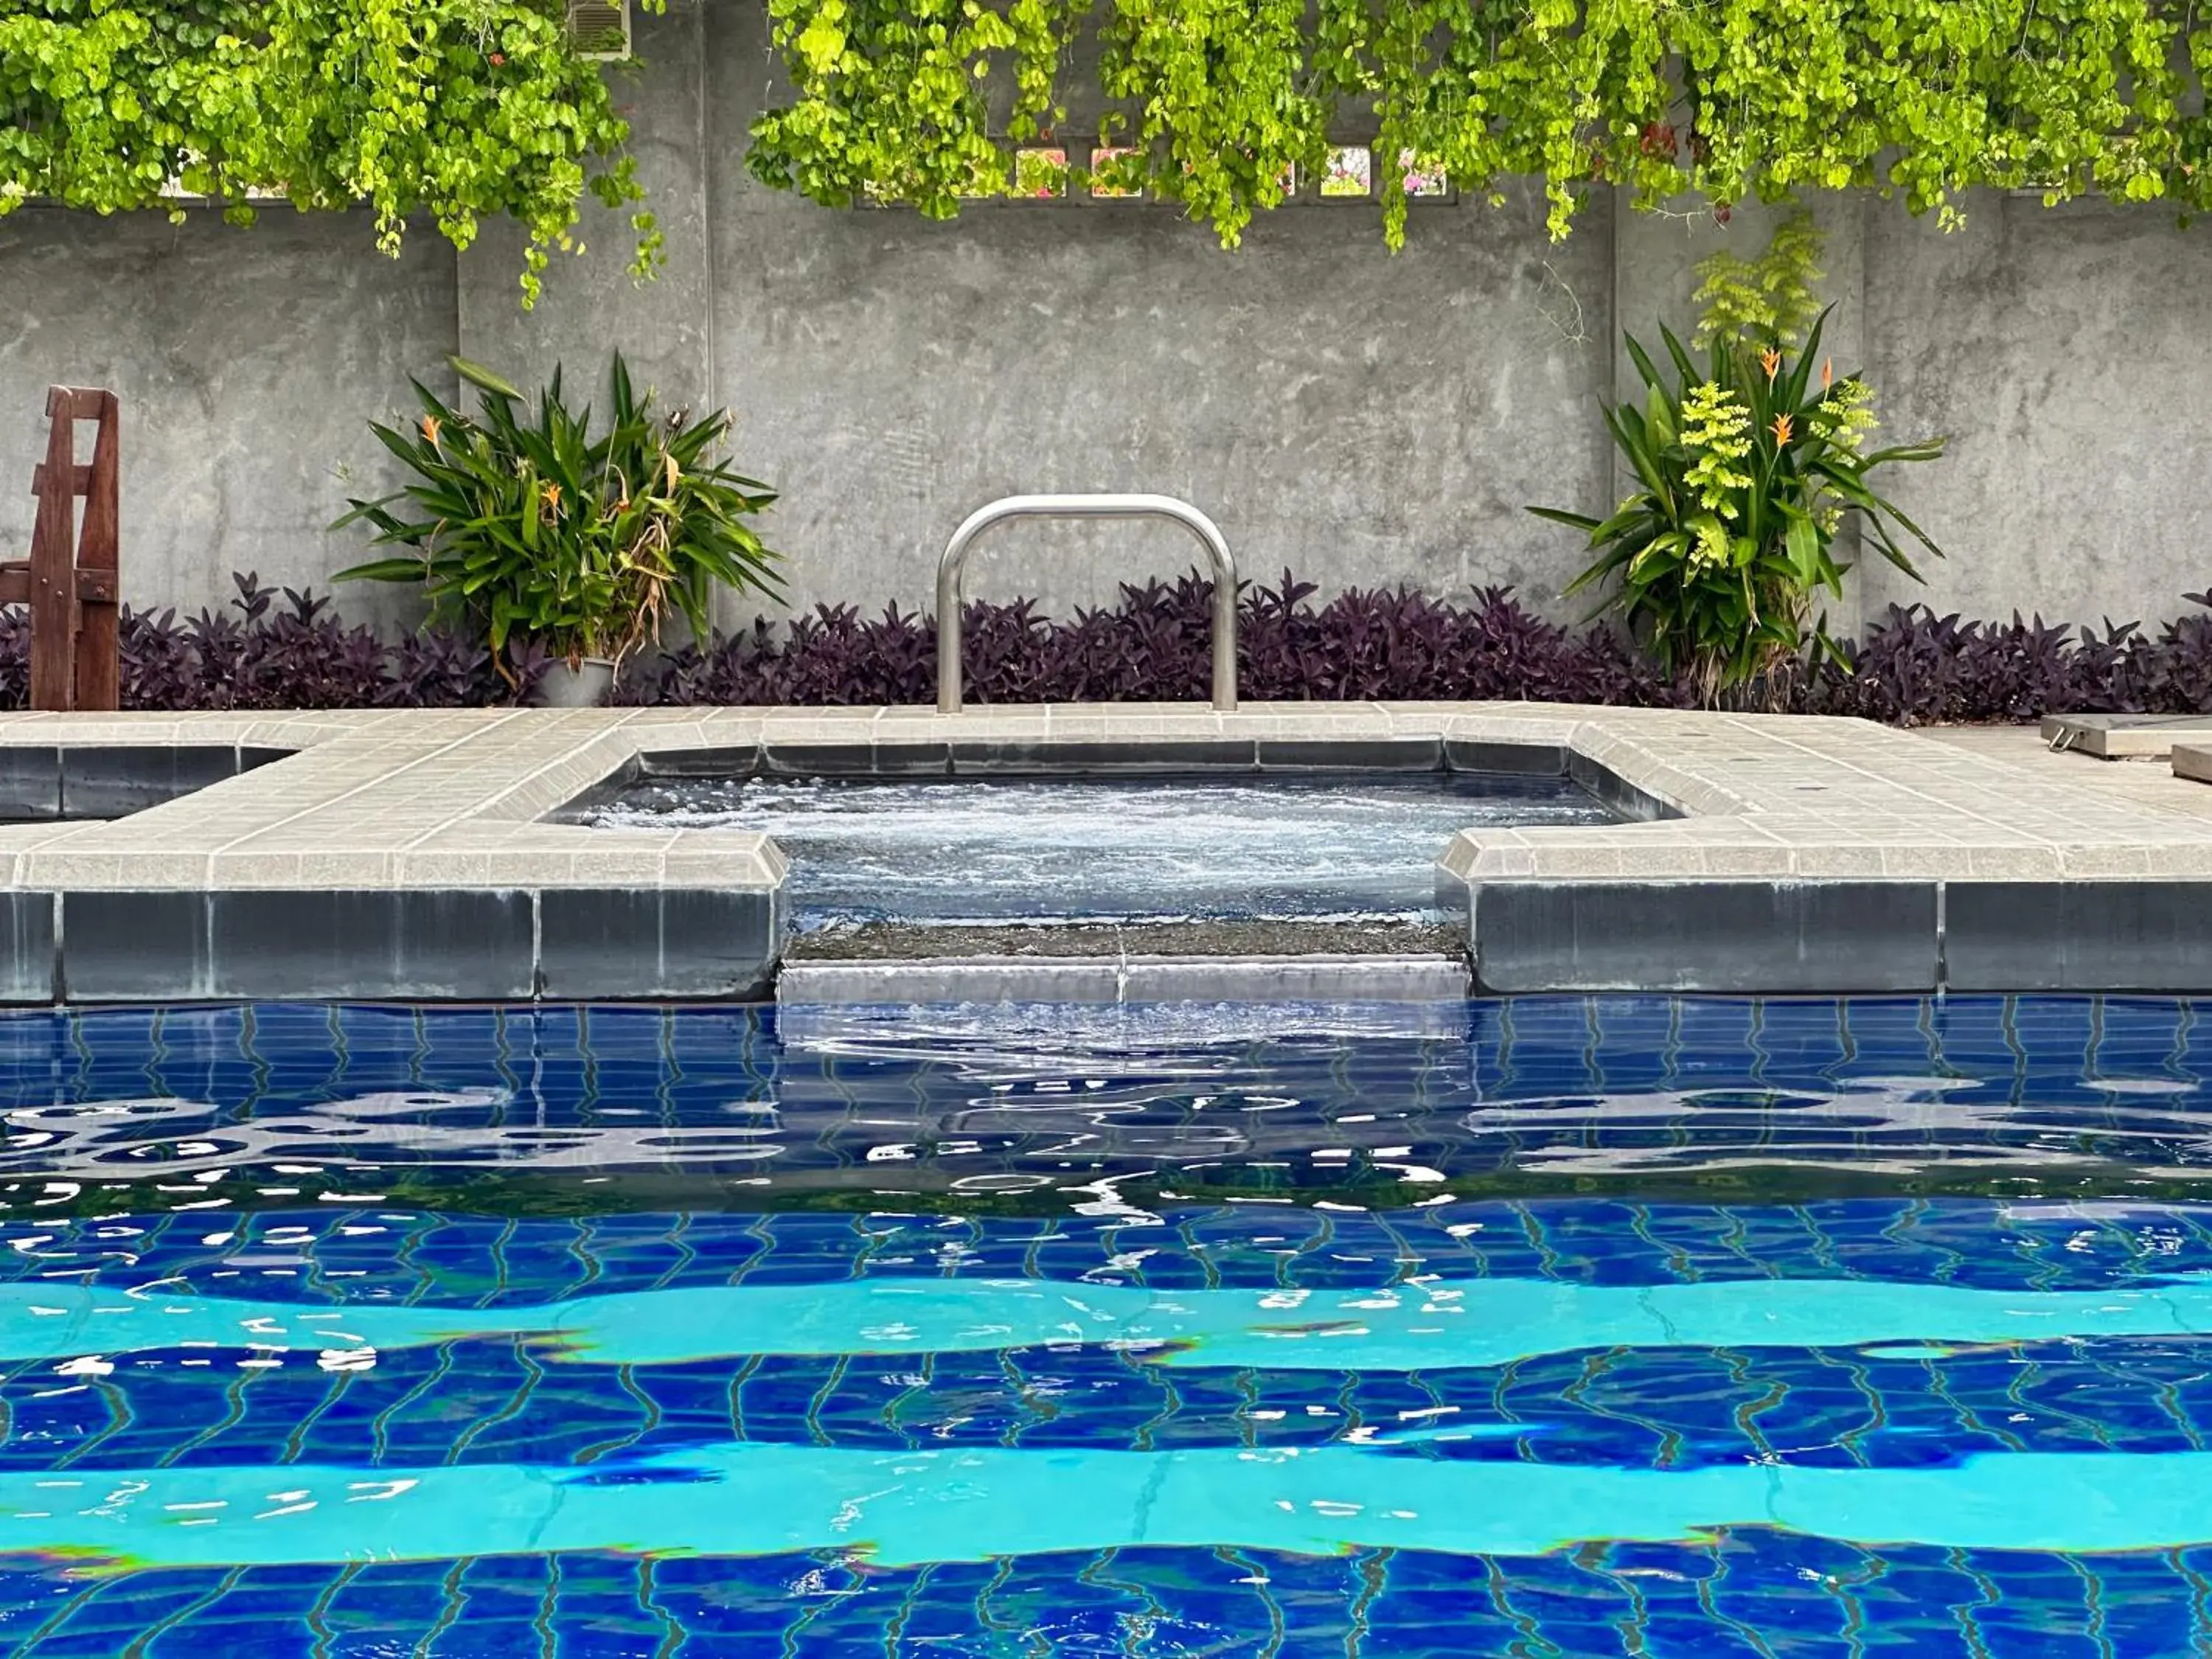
<point x="70" y="582"/>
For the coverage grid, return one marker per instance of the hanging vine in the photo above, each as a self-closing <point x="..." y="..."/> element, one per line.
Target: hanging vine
<point x="459" y="109"/>
<point x="895" y="104"/>
<point x="1733" y="99"/>
<point x="455" y="109"/>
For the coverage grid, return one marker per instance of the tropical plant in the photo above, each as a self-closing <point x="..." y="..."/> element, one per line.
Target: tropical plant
<point x="1747" y="471"/>
<point x="541" y="530"/>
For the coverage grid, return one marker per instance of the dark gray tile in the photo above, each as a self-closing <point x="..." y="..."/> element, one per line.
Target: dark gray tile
<point x="731" y="761"/>
<point x="1351" y="755"/>
<point x="1541" y="760"/>
<point x="1779" y="937"/>
<point x="27" y="947"/>
<point x="1617" y="793"/>
<point x="452" y="943"/>
<point x="103" y="780"/>
<point x="2077" y="936"/>
<point x="644" y="941"/>
<point x="30" y="783"/>
<point x="1101" y="759"/>
<point x="142" y="946"/>
<point x="842" y="760"/>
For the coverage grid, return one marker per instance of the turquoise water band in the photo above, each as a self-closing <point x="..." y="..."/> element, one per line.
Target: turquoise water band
<point x="972" y="1503"/>
<point x="1485" y="1321"/>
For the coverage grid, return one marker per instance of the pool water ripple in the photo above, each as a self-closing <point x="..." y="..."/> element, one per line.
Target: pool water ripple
<point x="1559" y="1327"/>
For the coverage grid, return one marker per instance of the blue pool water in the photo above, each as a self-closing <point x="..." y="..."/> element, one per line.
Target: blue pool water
<point x="1555" y="1326"/>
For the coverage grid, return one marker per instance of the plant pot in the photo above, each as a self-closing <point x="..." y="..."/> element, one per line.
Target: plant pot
<point x="587" y="686"/>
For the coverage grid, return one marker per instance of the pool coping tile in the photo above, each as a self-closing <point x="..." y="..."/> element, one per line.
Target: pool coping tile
<point x="1795" y="818"/>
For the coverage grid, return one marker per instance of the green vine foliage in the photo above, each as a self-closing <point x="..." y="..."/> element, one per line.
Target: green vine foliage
<point x="455" y="109"/>
<point x="1737" y="100"/>
<point x="909" y="118"/>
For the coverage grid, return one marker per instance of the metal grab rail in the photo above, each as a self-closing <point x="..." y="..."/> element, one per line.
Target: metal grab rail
<point x="1086" y="506"/>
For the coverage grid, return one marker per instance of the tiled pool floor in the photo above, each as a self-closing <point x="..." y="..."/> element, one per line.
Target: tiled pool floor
<point x="1565" y="1327"/>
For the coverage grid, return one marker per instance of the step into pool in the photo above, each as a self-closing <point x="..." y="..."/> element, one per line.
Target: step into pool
<point x="1542" y="1326"/>
<point x="1352" y="844"/>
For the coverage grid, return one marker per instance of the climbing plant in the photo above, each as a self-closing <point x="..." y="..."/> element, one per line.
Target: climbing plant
<point x="452" y="109"/>
<point x="1736" y="100"/>
<point x="899" y="108"/>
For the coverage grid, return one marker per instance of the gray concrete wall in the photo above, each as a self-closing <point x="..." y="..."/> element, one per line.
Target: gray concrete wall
<point x="1361" y="417"/>
<point x="248" y="363"/>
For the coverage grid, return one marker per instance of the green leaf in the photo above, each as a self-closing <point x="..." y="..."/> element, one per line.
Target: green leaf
<point x="484" y="379"/>
<point x="1559" y="515"/>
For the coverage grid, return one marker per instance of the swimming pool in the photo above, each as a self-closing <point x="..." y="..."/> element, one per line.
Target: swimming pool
<point x="1553" y="1325"/>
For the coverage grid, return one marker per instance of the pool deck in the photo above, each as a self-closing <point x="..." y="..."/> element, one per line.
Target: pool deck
<point x="410" y="854"/>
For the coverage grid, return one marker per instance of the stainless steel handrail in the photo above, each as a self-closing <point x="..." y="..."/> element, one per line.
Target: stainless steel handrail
<point x="1086" y="506"/>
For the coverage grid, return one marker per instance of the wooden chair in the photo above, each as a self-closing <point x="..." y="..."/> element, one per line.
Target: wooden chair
<point x="70" y="582"/>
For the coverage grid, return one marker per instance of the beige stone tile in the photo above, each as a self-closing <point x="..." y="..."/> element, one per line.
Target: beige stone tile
<point x="341" y="870"/>
<point x="2013" y="864"/>
<point x="2105" y="862"/>
<point x="2187" y="860"/>
<point x="1927" y="863"/>
<point x="1838" y="861"/>
<point x="1597" y="861"/>
<point x="61" y="868"/>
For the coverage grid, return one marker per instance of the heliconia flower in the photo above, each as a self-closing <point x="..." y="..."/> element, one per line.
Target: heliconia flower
<point x="431" y="427"/>
<point x="1770" y="361"/>
<point x="1827" y="374"/>
<point x="1783" y="428"/>
<point x="552" y="495"/>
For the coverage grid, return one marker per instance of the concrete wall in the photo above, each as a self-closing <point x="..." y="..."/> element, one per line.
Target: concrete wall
<point x="248" y="364"/>
<point x="1362" y="417"/>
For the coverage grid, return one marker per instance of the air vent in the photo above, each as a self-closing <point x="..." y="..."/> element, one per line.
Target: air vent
<point x="600" y="28"/>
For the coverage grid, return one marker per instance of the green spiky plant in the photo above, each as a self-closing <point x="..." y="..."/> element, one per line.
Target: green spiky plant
<point x="1746" y="468"/>
<point x="1746" y="472"/>
<point x="539" y="530"/>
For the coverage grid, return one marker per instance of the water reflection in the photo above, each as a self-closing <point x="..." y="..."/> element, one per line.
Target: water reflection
<point x="1061" y="1108"/>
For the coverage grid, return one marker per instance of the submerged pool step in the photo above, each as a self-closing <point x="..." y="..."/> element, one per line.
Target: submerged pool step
<point x="1094" y="979"/>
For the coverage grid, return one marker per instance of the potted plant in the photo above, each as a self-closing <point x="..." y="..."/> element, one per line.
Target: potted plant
<point x="540" y="532"/>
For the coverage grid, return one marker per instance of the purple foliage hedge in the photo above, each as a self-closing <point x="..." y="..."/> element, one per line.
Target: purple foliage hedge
<point x="1913" y="667"/>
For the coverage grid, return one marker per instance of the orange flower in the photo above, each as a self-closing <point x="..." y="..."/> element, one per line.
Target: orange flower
<point x="1827" y="374"/>
<point x="1770" y="361"/>
<point x="1783" y="428"/>
<point x="552" y="496"/>
<point x="430" y="430"/>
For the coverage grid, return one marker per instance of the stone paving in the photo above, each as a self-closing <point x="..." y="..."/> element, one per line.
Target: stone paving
<point x="1801" y="853"/>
